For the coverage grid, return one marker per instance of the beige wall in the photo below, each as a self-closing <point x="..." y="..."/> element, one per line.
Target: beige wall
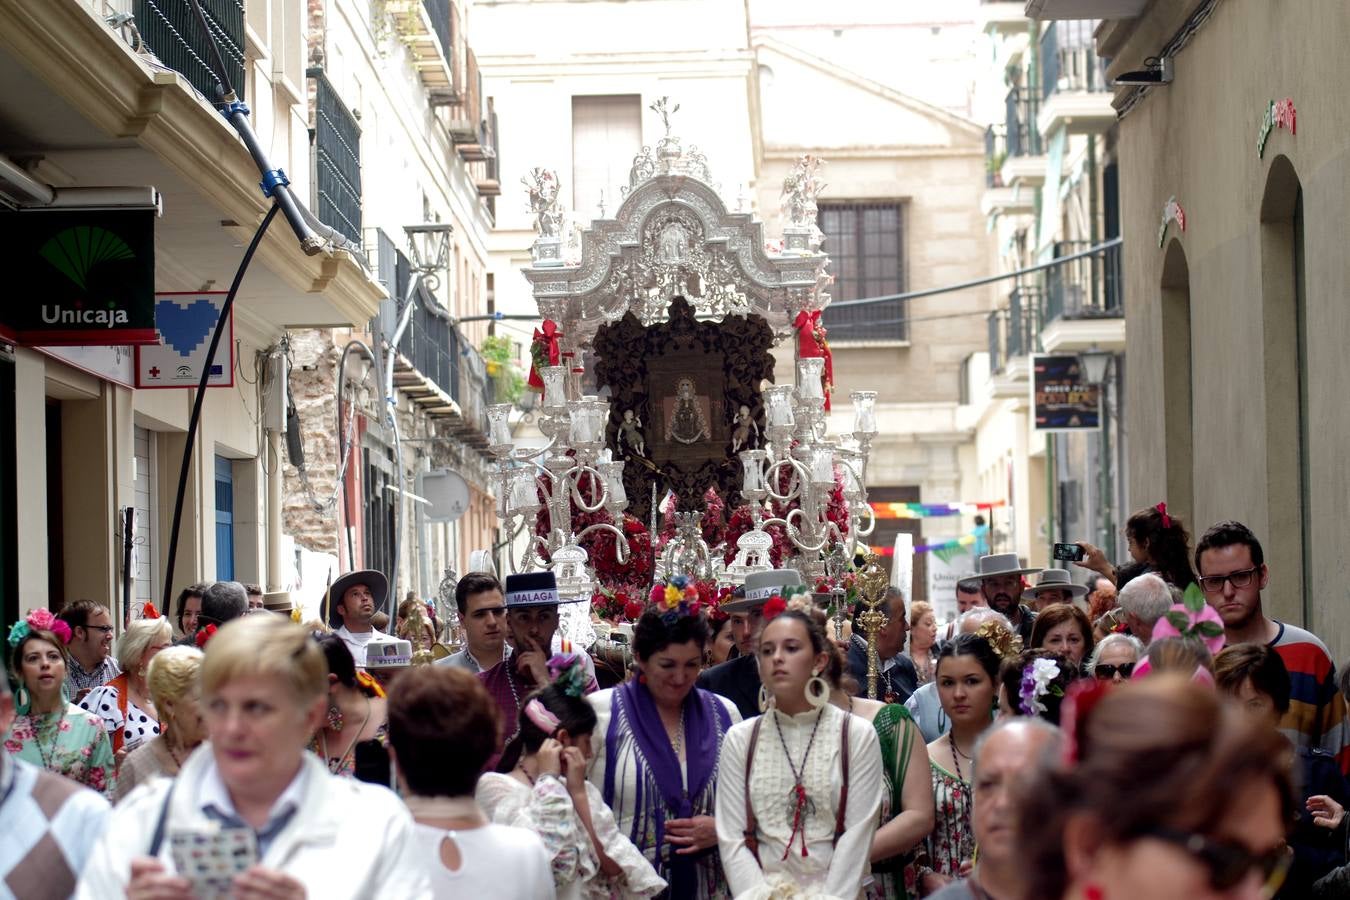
<point x="1196" y="139"/>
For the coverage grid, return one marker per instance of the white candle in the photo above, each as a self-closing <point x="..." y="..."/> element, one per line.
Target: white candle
<point x="809" y="371"/>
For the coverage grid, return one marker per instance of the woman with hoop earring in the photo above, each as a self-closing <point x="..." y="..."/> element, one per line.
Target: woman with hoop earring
<point x="800" y="786"/>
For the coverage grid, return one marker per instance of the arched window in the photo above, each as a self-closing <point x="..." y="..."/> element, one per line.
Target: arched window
<point x="1284" y="330"/>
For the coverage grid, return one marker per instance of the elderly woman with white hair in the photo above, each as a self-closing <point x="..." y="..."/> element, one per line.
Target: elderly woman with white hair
<point x="1114" y="657"/>
<point x="124" y="704"/>
<point x="175" y="688"/>
<point x="1145" y="600"/>
<point x="287" y="828"/>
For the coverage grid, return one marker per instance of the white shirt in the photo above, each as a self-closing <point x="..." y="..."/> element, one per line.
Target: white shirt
<point x="826" y="871"/>
<point x="495" y="861"/>
<point x="356" y="642"/>
<point x="214" y="795"/>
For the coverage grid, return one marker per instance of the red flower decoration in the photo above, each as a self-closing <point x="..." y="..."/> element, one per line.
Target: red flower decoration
<point x="775" y="607"/>
<point x="632" y="610"/>
<point x="204" y="635"/>
<point x="149" y="612"/>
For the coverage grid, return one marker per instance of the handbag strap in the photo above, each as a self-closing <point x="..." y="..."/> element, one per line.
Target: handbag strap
<point x="843" y="786"/>
<point x="157" y="839"/>
<point x="751" y="823"/>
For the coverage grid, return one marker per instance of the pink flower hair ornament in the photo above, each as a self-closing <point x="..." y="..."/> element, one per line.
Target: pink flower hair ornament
<point x="1192" y="618"/>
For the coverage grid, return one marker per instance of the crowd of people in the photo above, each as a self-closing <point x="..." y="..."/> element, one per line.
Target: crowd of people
<point x="1152" y="733"/>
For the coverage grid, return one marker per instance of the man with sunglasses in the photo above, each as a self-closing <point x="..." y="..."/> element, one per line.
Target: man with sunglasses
<point x="91" y="635"/>
<point x="1233" y="573"/>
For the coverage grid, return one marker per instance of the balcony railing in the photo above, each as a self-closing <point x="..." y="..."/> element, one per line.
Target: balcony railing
<point x="995" y="152"/>
<point x="1069" y="60"/>
<point x="1090" y="287"/>
<point x="337" y="160"/>
<point x="169" y="29"/>
<point x="1022" y="136"/>
<point x="1014" y="330"/>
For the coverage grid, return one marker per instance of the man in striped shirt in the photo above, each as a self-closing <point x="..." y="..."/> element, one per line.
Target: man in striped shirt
<point x="1233" y="573"/>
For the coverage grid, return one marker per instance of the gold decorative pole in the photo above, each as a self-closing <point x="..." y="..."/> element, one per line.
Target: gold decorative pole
<point x="872" y="582"/>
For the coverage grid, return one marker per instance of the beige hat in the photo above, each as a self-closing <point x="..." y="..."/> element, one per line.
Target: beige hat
<point x="1055" y="580"/>
<point x="760" y="586"/>
<point x="1000" y="564"/>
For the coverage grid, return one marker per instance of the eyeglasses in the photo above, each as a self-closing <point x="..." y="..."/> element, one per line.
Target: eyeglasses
<point x="1214" y="583"/>
<point x="103" y="628"/>
<point x="1229" y="863"/>
<point x="1106" y="671"/>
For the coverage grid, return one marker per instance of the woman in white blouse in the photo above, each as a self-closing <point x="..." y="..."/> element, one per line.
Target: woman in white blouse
<point x="799" y="788"/>
<point x="540" y="784"/>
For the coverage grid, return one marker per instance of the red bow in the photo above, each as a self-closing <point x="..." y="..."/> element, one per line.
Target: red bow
<point x="544" y="351"/>
<point x="1166" y="519"/>
<point x="811" y="344"/>
<point x="203" y="636"/>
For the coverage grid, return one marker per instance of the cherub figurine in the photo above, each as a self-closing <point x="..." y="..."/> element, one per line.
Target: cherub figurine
<point x="630" y="435"/>
<point x="744" y="431"/>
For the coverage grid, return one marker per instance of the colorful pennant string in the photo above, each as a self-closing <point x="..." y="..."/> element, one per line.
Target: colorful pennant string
<point x="883" y="510"/>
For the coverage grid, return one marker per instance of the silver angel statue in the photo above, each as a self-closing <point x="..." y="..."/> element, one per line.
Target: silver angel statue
<point x="543" y="187"/>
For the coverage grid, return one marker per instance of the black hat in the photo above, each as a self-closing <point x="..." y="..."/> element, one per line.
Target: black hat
<point x="531" y="589"/>
<point x="379" y="589"/>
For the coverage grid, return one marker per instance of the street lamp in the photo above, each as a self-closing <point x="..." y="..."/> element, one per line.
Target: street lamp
<point x="1095" y="363"/>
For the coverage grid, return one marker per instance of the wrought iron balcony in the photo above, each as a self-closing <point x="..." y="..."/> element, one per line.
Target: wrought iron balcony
<point x="170" y="30"/>
<point x="1090" y="287"/>
<point x="336" y="139"/>
<point x="1014" y="330"/>
<point x="1019" y="127"/>
<point x="1069" y="60"/>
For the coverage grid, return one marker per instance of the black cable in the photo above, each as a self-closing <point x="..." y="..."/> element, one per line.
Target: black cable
<point x="226" y="89"/>
<point x="195" y="419"/>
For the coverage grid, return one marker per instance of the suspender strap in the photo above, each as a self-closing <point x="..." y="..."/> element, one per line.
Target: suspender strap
<point x="751" y="823"/>
<point x="843" y="785"/>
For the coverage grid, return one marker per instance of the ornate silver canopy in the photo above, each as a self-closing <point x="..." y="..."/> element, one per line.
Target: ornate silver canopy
<point x="673" y="236"/>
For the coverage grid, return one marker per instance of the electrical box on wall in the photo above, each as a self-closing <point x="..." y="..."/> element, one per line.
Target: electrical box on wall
<point x="274" y="390"/>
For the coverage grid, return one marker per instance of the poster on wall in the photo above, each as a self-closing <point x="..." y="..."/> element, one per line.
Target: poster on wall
<point x="185" y="322"/>
<point x="1061" y="397"/>
<point x="944" y="571"/>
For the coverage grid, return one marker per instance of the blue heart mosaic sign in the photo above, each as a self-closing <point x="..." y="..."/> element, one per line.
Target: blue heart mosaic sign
<point x="184" y="322"/>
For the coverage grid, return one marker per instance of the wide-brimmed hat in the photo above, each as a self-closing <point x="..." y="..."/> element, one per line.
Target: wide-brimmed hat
<point x="1057" y="580"/>
<point x="531" y="589"/>
<point x="388" y="653"/>
<point x="760" y="586"/>
<point x="1000" y="564"/>
<point x="379" y="589"/>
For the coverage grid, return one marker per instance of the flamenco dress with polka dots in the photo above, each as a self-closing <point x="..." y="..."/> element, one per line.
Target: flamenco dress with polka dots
<point x="127" y="724"/>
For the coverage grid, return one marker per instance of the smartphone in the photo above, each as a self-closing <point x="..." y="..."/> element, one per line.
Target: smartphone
<point x="1070" y="552"/>
<point x="211" y="859"/>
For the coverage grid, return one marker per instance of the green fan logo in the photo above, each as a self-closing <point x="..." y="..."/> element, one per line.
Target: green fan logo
<point x="75" y="251"/>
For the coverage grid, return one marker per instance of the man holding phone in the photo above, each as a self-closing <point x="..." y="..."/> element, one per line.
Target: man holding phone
<point x="532" y="619"/>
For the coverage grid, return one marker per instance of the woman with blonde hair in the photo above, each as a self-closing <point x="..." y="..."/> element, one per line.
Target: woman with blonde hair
<point x="299" y="830"/>
<point x="923" y="633"/>
<point x="175" y="689"/>
<point x="124" y="704"/>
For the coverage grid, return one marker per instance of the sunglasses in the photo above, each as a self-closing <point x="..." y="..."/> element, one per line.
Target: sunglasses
<point x="1106" y="671"/>
<point x="1229" y="863"/>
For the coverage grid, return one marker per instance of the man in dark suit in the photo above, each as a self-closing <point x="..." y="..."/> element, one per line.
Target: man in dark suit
<point x="897" y="678"/>
<point x="738" y="679"/>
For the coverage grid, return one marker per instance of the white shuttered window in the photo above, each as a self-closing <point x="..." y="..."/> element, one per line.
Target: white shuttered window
<point x="606" y="135"/>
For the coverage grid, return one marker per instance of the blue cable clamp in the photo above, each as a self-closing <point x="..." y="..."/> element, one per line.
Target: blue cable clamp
<point x="237" y="106"/>
<point x="272" y="180"/>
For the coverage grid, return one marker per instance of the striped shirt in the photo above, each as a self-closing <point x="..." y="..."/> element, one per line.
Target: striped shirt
<point x="78" y="678"/>
<point x="1316" y="716"/>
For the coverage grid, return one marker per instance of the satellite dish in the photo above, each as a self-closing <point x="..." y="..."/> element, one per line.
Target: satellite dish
<point x="446" y="493"/>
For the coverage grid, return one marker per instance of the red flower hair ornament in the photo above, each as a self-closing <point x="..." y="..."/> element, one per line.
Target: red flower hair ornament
<point x="204" y="635"/>
<point x="774" y="607"/>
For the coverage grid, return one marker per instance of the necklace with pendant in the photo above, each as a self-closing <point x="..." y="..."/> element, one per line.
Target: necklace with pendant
<point x="801" y="804"/>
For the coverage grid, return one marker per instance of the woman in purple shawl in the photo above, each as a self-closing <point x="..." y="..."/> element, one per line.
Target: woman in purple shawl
<point x="656" y="742"/>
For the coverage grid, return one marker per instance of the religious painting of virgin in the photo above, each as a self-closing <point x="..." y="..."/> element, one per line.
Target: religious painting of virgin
<point x="687" y="414"/>
<point x="688" y="402"/>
